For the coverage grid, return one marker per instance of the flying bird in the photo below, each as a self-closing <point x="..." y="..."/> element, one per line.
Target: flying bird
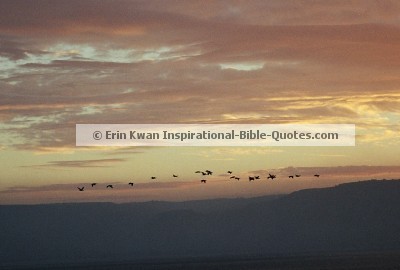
<point x="203" y="173"/>
<point x="230" y="172"/>
<point x="203" y="181"/>
<point x="110" y="186"/>
<point x="232" y="177"/>
<point x="197" y="172"/>
<point x="316" y="175"/>
<point x="257" y="177"/>
<point x="153" y="177"/>
<point x="237" y="178"/>
<point x="81" y="189"/>
<point x="290" y="176"/>
<point x="93" y="184"/>
<point x="131" y="184"/>
<point x="271" y="176"/>
<point x="209" y="172"/>
<point x="174" y="175"/>
<point x="251" y="178"/>
<point x="298" y="175"/>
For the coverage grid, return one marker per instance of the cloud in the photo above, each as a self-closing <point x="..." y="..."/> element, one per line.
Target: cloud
<point x="356" y="172"/>
<point x="123" y="150"/>
<point x="122" y="192"/>
<point x="89" y="163"/>
<point x="17" y="50"/>
<point x="99" y="186"/>
<point x="69" y="62"/>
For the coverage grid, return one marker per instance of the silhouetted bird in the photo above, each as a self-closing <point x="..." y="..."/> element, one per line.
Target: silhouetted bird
<point x="232" y="177"/>
<point x="237" y="178"/>
<point x="209" y="172"/>
<point x="131" y="184"/>
<point x="251" y="178"/>
<point x="290" y="176"/>
<point x="230" y="172"/>
<point x="110" y="186"/>
<point x="153" y="177"/>
<point x="203" y="181"/>
<point x="316" y="175"/>
<point x="257" y="177"/>
<point x="197" y="172"/>
<point x="174" y="175"/>
<point x="93" y="184"/>
<point x="203" y="173"/>
<point x="81" y="189"/>
<point x="298" y="175"/>
<point x="271" y="176"/>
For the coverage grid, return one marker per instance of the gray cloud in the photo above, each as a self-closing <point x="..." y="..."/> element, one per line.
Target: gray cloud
<point x="337" y="52"/>
<point x="88" y="163"/>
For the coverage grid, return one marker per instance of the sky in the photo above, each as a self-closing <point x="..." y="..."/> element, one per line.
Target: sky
<point x="64" y="63"/>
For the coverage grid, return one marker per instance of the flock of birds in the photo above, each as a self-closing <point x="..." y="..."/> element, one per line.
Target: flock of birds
<point x="205" y="173"/>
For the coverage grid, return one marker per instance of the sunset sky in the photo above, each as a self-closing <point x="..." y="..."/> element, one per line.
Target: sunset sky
<point x="64" y="63"/>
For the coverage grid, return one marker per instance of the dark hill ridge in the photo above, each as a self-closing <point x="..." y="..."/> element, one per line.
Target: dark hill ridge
<point x="353" y="217"/>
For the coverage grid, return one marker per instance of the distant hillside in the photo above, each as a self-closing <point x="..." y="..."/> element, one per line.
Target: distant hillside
<point x="362" y="216"/>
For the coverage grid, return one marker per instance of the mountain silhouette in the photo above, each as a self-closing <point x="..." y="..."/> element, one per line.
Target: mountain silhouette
<point x="353" y="217"/>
